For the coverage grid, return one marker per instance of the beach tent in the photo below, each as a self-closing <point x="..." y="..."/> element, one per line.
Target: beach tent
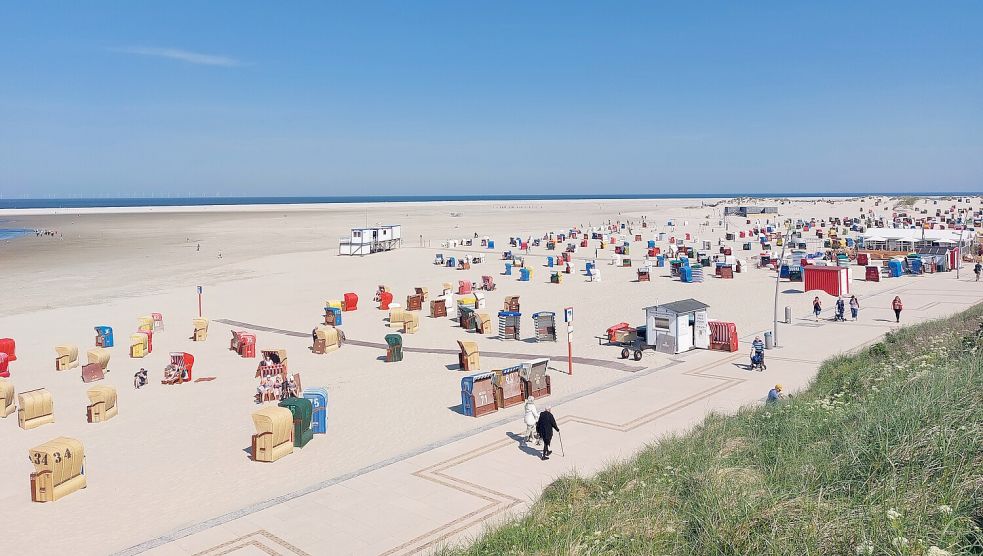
<point x="59" y="469"/>
<point x="834" y="280"/>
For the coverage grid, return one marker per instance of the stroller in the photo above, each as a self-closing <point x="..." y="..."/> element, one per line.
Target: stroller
<point x="758" y="360"/>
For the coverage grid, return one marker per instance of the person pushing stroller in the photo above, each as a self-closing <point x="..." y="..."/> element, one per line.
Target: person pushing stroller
<point x="758" y="354"/>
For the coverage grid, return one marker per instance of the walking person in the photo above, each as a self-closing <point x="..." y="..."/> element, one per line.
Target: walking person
<point x="817" y="307"/>
<point x="530" y="419"/>
<point x="976" y="270"/>
<point x="840" y="309"/>
<point x="545" y="427"/>
<point x="854" y="307"/>
<point x="897" y="306"/>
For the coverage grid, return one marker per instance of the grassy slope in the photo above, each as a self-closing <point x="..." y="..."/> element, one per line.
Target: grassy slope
<point x="883" y="454"/>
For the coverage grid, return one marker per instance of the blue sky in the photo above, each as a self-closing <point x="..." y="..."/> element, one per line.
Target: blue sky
<point x="259" y="98"/>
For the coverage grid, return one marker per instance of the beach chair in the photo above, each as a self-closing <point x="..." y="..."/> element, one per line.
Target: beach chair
<point x="349" y="302"/>
<point x="396" y="317"/>
<point x="326" y="340"/>
<point x="201" y="330"/>
<point x="66" y="357"/>
<point x="332" y="316"/>
<point x="385" y="300"/>
<point x="274" y="436"/>
<point x="487" y="283"/>
<point x="4" y="366"/>
<point x="183" y="363"/>
<point x="414" y="302"/>
<point x="158" y="321"/>
<point x="98" y="356"/>
<point x="411" y="324"/>
<point x="463" y="287"/>
<point x="8" y="346"/>
<point x="138" y="345"/>
<point x="424" y="292"/>
<point x="468" y="357"/>
<point x="446" y="288"/>
<point x="104" y="336"/>
<point x="35" y="408"/>
<point x="438" y="308"/>
<point x="7" y="406"/>
<point x="482" y="322"/>
<point x="145" y="324"/>
<point x="301" y="411"/>
<point x="511" y="304"/>
<point x="59" y="469"/>
<point x="102" y="404"/>
<point x="394" y="348"/>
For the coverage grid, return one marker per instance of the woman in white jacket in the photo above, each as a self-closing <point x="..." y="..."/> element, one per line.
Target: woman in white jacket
<point x="530" y="418"/>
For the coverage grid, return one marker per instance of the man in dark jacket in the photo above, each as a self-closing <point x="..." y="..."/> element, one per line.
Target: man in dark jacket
<point x="545" y="427"/>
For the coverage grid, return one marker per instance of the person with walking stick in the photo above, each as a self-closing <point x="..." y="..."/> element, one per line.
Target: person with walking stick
<point x="545" y="427"/>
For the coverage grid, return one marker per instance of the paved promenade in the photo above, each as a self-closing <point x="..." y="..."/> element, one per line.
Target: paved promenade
<point x="449" y="491"/>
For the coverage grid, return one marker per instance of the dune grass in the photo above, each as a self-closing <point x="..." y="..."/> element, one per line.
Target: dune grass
<point x="882" y="454"/>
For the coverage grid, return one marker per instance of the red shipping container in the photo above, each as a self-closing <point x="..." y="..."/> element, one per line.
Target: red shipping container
<point x="834" y="280"/>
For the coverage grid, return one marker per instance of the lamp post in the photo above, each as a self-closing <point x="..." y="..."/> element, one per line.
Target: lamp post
<point x="778" y="276"/>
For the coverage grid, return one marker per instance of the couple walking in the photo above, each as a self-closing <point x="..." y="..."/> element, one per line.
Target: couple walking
<point x="540" y="425"/>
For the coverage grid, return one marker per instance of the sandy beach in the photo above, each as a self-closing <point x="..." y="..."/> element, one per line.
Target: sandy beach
<point x="179" y="455"/>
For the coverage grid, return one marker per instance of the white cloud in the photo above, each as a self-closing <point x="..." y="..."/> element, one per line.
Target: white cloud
<point x="182" y="55"/>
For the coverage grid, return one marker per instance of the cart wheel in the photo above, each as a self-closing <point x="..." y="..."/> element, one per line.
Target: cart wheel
<point x="624" y="353"/>
<point x="638" y="355"/>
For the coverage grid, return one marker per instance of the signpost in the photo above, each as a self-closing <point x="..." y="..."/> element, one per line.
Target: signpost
<point x="199" y="301"/>
<point x="568" y="318"/>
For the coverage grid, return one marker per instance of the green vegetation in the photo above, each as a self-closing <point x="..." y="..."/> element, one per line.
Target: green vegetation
<point x="882" y="454"/>
<point x="906" y="202"/>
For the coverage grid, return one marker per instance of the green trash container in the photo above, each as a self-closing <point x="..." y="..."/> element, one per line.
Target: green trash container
<point x="394" y="352"/>
<point x="302" y="411"/>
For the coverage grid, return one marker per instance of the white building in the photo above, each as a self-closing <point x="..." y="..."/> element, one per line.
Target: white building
<point x="910" y="239"/>
<point x="370" y="240"/>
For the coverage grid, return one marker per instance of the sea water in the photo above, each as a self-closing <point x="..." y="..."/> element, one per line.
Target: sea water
<point x="11" y="233"/>
<point x="108" y="202"/>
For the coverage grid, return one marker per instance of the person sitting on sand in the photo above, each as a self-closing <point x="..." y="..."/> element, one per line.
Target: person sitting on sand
<point x="775" y="394"/>
<point x="278" y="387"/>
<point x="265" y="385"/>
<point x="171" y="375"/>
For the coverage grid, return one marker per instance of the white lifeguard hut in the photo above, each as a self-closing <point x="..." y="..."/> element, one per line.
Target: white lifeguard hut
<point x="364" y="241"/>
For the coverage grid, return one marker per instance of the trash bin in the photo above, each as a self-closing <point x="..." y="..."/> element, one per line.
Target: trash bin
<point x="788" y="315"/>
<point x="769" y="340"/>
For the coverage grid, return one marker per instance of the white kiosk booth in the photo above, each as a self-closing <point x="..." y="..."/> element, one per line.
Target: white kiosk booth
<point x="678" y="326"/>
